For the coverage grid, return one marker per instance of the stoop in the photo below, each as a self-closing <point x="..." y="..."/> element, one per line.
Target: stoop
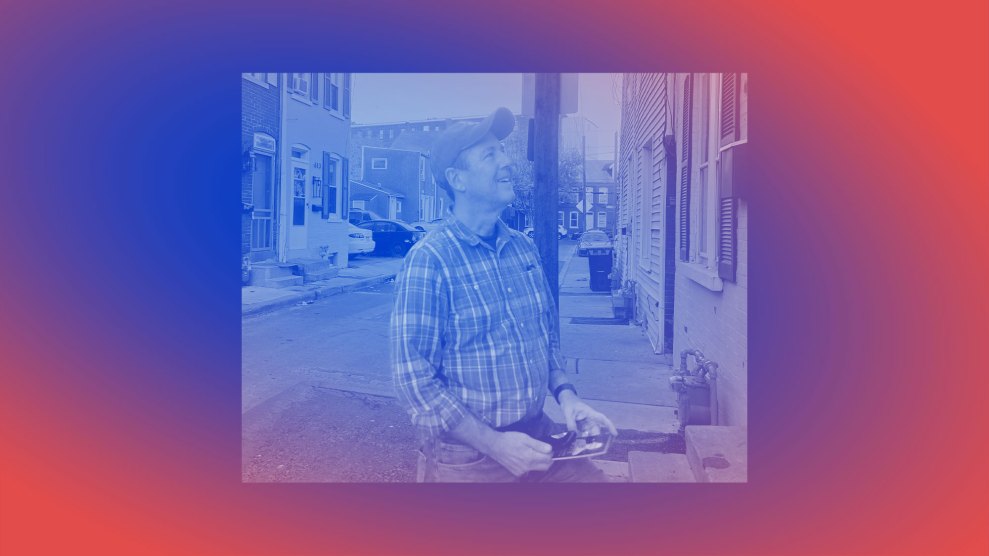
<point x="274" y="275"/>
<point x="717" y="454"/>
<point x="315" y="270"/>
<point x="655" y="467"/>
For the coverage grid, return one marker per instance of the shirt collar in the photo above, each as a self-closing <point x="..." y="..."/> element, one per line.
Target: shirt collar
<point x="465" y="234"/>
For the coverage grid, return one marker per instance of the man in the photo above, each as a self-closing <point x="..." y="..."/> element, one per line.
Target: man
<point x="475" y="344"/>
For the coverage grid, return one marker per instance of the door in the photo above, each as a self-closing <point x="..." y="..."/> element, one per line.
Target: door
<point x="263" y="199"/>
<point x="299" y="179"/>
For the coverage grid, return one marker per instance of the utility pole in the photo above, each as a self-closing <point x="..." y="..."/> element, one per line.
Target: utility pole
<point x="545" y="170"/>
<point x="583" y="185"/>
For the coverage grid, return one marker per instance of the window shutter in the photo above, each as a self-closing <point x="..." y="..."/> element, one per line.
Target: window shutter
<point x="685" y="171"/>
<point x="345" y="192"/>
<point x="346" y="95"/>
<point x="729" y="108"/>
<point x="727" y="217"/>
<point x="326" y="185"/>
<point x="727" y="173"/>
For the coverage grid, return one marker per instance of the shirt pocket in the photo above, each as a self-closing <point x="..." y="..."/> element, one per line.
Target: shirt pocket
<point x="472" y="311"/>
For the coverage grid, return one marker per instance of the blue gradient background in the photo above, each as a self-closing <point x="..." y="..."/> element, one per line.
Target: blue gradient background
<point x="120" y="409"/>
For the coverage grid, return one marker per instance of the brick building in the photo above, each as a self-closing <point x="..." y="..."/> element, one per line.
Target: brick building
<point x="259" y="182"/>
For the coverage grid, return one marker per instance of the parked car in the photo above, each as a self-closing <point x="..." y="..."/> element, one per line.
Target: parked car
<point x="424" y="226"/>
<point x="359" y="241"/>
<point x="356" y="216"/>
<point x="593" y="239"/>
<point x="392" y="237"/>
<point x="561" y="232"/>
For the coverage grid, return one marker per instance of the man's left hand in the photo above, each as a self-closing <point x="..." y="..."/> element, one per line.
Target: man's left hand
<point x="577" y="412"/>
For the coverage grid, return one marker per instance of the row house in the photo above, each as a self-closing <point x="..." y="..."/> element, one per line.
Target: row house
<point x="260" y="140"/>
<point x="295" y="134"/>
<point x="388" y="153"/>
<point x="594" y="204"/>
<point x="405" y="173"/>
<point x="683" y="220"/>
<point x="600" y="199"/>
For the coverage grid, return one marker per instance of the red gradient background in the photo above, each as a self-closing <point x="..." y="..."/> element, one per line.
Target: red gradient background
<point x="120" y="403"/>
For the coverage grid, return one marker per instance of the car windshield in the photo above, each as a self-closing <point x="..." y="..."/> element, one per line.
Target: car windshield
<point x="595" y="236"/>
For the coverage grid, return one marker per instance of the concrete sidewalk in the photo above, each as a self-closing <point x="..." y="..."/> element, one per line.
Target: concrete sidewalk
<point x="613" y="366"/>
<point x="362" y="273"/>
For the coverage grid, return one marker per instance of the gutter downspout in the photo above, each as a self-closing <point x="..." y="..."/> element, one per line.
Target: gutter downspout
<point x="283" y="80"/>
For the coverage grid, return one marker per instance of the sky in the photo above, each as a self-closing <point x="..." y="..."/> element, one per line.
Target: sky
<point x="396" y="97"/>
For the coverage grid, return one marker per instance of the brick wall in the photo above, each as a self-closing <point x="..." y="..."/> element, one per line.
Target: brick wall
<point x="259" y="114"/>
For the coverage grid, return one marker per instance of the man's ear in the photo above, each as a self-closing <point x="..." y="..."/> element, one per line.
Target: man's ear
<point x="453" y="178"/>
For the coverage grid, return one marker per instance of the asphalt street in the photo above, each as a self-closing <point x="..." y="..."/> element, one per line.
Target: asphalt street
<point x="317" y="400"/>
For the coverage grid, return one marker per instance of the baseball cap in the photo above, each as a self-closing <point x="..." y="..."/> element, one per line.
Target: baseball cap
<point x="462" y="135"/>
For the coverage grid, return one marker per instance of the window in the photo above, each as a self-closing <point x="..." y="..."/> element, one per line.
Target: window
<point x="259" y="78"/>
<point x="704" y="209"/>
<point x="300" y="83"/>
<point x="602" y="219"/>
<point x="336" y="94"/>
<point x="573" y="219"/>
<point x="331" y="92"/>
<point x="331" y="184"/>
<point x="422" y="170"/>
<point x="559" y="218"/>
<point x="379" y="163"/>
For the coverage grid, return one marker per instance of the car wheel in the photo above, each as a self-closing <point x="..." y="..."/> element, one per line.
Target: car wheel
<point x="531" y="234"/>
<point x="398" y="250"/>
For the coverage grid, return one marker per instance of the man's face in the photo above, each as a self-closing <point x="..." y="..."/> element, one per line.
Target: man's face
<point x="487" y="181"/>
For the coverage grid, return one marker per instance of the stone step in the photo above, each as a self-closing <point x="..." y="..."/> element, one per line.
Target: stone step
<point x="616" y="471"/>
<point x="267" y="271"/>
<point x="717" y="454"/>
<point x="279" y="282"/>
<point x="318" y="275"/>
<point x="654" y="467"/>
<point x="311" y="265"/>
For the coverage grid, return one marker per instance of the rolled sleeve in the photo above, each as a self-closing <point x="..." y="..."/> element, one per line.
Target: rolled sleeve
<point x="417" y="324"/>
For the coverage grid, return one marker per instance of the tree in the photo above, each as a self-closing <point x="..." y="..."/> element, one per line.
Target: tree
<point x="571" y="172"/>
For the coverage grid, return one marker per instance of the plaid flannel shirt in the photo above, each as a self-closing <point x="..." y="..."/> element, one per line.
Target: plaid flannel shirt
<point x="474" y="329"/>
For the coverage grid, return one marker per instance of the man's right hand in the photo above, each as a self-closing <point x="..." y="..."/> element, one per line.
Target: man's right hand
<point x="520" y="453"/>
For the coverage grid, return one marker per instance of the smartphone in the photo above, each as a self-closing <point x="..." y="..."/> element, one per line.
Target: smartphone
<point x="568" y="445"/>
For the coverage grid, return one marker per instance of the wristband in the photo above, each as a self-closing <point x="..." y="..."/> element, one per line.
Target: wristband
<point x="559" y="390"/>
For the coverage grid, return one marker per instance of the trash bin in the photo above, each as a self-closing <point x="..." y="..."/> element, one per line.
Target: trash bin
<point x="599" y="261"/>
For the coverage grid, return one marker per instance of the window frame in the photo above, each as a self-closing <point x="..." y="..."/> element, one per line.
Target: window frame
<point x="293" y="84"/>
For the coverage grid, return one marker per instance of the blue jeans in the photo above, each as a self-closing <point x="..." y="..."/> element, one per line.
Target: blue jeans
<point x="453" y="462"/>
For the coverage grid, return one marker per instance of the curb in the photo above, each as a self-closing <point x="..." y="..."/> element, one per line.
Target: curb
<point x="318" y="292"/>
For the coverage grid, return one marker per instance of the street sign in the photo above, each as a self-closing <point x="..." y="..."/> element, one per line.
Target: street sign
<point x="568" y="93"/>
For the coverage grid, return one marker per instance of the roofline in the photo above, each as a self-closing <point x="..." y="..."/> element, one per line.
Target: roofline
<point x="377" y="188"/>
<point x="428" y="120"/>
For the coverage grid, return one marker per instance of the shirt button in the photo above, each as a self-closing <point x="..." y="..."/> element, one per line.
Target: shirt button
<point x="509" y="290"/>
